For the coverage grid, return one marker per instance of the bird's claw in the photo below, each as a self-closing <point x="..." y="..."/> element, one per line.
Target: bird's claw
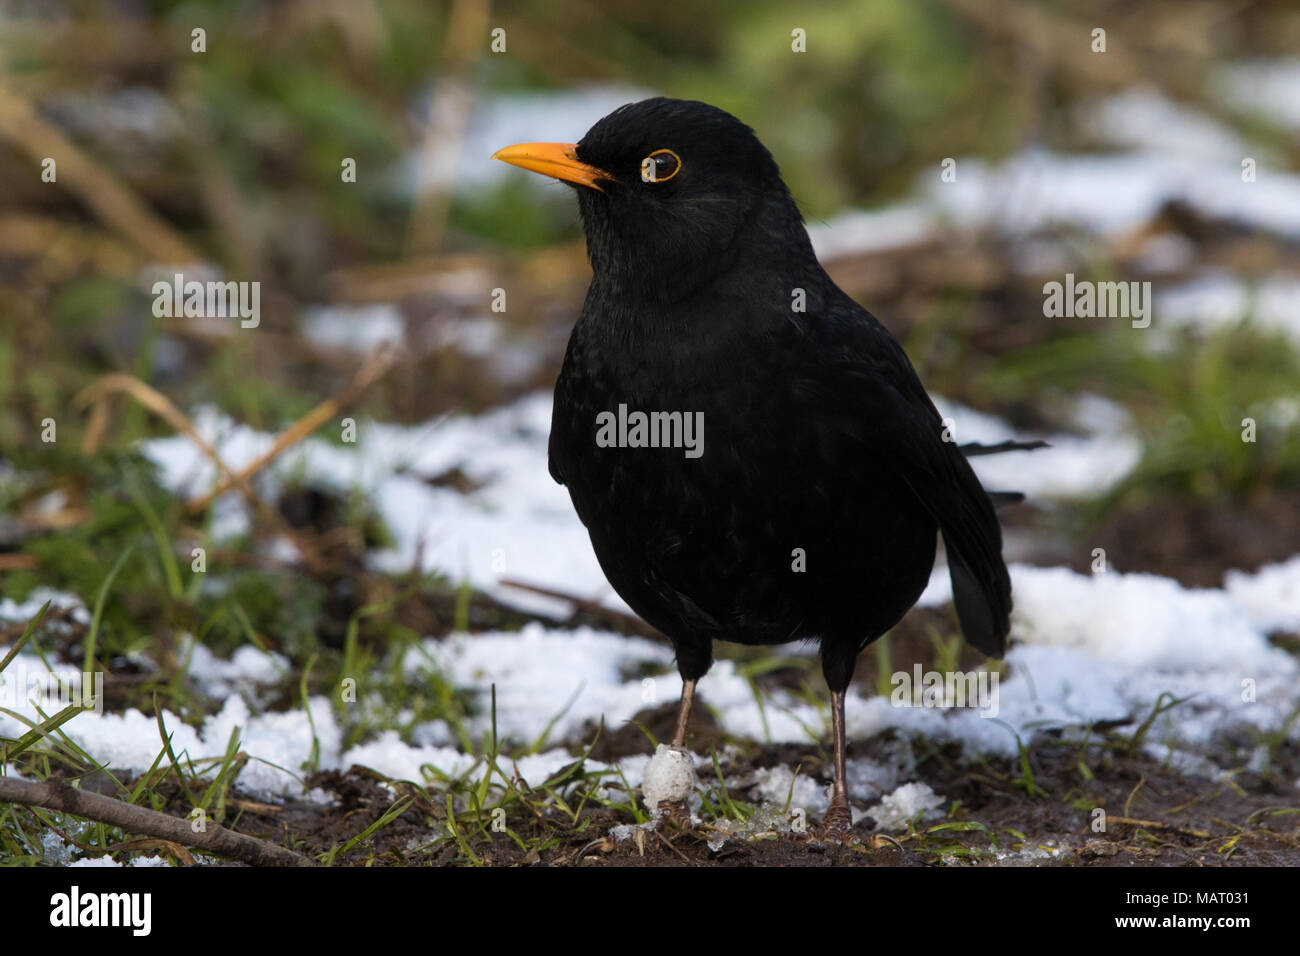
<point x="837" y="826"/>
<point x="674" y="812"/>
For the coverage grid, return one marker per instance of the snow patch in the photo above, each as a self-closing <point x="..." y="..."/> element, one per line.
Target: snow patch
<point x="897" y="809"/>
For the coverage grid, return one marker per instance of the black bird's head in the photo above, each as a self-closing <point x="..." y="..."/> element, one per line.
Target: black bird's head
<point x="672" y="193"/>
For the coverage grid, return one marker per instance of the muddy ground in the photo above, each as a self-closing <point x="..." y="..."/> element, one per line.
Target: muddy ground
<point x="1039" y="812"/>
<point x="1156" y="817"/>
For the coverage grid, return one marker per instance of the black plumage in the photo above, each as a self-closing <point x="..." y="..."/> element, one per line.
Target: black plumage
<point x="824" y="478"/>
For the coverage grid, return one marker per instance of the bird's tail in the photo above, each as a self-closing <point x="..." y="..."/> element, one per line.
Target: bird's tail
<point x="975" y="449"/>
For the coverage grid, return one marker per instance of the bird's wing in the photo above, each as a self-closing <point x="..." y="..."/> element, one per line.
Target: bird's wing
<point x="569" y="447"/>
<point x="561" y="426"/>
<point x="902" y="430"/>
<point x="552" y="463"/>
<point x="947" y="488"/>
<point x="973" y="449"/>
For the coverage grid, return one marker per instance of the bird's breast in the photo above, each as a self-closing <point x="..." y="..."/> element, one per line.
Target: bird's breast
<point x="678" y="445"/>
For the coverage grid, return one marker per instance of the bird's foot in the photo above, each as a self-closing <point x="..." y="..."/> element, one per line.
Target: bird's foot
<point x="837" y="825"/>
<point x="675" y="813"/>
<point x="669" y="782"/>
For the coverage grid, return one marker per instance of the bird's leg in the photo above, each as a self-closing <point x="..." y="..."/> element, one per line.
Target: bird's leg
<point x="676" y="810"/>
<point x="838" y="822"/>
<point x="684" y="713"/>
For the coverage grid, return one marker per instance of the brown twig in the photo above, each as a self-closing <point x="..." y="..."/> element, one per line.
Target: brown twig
<point x="57" y="795"/>
<point x="146" y="395"/>
<point x="369" y="373"/>
<point x="1157" y="825"/>
<point x="108" y="197"/>
<point x="97" y="392"/>
<point x="634" y="624"/>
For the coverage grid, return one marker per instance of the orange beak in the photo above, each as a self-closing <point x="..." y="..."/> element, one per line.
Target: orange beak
<point x="558" y="160"/>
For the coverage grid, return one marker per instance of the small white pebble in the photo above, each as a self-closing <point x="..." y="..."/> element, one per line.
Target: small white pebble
<point x="670" y="775"/>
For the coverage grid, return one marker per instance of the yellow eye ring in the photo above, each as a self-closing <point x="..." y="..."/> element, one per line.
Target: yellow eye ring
<point x="653" y="166"/>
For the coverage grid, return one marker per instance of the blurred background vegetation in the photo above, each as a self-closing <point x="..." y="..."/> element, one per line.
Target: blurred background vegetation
<point x="229" y="160"/>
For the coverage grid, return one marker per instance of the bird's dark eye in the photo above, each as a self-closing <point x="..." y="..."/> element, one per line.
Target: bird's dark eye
<point x="660" y="165"/>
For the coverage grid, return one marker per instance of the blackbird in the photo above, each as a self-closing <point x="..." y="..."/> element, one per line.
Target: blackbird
<point x="750" y="450"/>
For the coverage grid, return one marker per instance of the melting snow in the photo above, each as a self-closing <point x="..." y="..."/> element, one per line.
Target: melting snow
<point x="1072" y="467"/>
<point x="520" y="523"/>
<point x="1269" y="88"/>
<point x="898" y="808"/>
<point x="1086" y="648"/>
<point x="355" y="328"/>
